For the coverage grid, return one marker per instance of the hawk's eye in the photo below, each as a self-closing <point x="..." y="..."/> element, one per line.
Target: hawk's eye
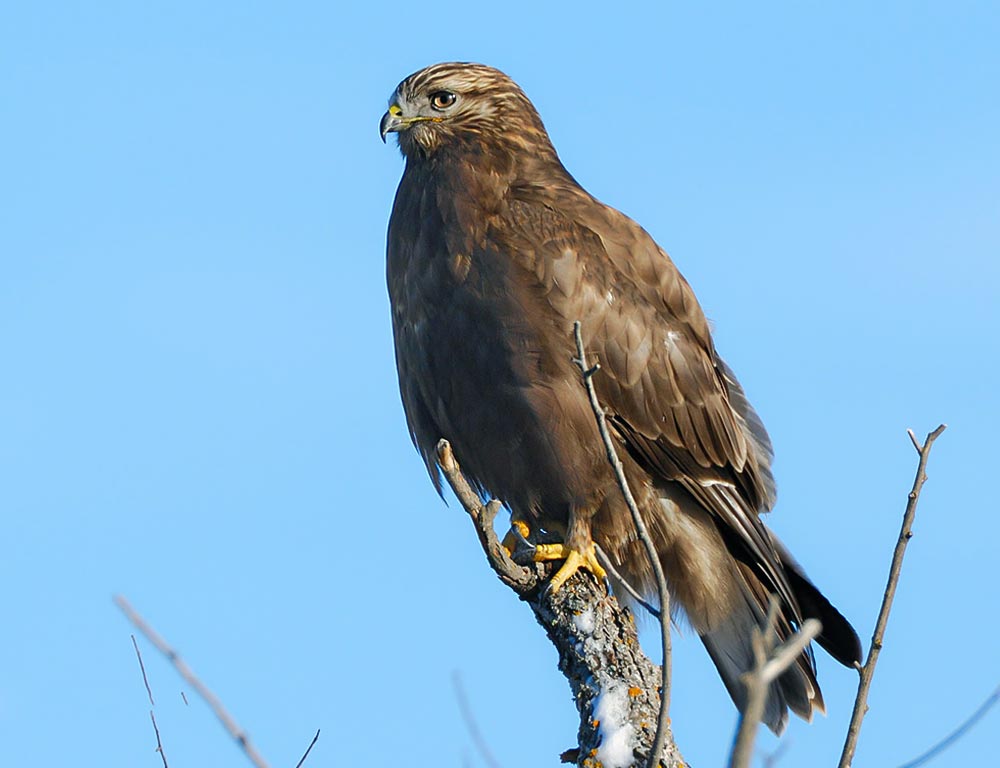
<point x="442" y="99"/>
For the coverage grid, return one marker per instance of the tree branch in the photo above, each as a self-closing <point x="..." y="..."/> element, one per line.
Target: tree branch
<point x="308" y="750"/>
<point x="905" y="534"/>
<point x="470" y="723"/>
<point x="149" y="692"/>
<point x="640" y="526"/>
<point x="956" y="734"/>
<point x="240" y="736"/>
<point x="142" y="667"/>
<point x="159" y="744"/>
<point x="614" y="683"/>
<point x="769" y="663"/>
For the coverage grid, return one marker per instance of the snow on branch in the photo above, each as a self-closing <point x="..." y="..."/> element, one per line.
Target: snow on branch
<point x="615" y="685"/>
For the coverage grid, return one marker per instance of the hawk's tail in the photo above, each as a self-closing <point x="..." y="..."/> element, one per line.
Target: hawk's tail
<point x="730" y="644"/>
<point x="723" y="584"/>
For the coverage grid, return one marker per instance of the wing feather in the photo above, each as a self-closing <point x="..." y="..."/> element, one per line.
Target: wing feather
<point x="673" y="400"/>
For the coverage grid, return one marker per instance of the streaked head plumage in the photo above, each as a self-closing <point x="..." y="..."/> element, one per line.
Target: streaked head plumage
<point x="459" y="101"/>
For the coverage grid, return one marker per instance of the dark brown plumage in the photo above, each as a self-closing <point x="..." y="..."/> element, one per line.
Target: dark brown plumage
<point x="494" y="251"/>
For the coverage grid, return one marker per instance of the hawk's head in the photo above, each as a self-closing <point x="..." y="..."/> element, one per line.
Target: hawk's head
<point x="459" y="103"/>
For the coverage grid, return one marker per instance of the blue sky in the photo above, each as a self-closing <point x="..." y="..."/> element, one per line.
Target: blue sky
<point x="198" y="405"/>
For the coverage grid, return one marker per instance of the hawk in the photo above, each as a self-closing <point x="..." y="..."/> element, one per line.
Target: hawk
<point x="493" y="252"/>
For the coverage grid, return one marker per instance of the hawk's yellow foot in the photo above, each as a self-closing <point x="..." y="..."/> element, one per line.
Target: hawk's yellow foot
<point x="518" y="532"/>
<point x="574" y="562"/>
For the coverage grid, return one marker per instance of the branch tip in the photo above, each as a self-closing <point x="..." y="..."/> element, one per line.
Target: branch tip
<point x="445" y="456"/>
<point x="867" y="671"/>
<point x="308" y="750"/>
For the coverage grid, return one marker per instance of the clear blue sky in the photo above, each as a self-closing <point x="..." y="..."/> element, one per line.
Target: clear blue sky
<point x="198" y="404"/>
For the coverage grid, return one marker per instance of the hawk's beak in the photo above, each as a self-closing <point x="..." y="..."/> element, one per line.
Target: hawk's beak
<point x="392" y="121"/>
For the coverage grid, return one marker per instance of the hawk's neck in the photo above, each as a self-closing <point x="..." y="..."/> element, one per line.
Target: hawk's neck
<point x="482" y="175"/>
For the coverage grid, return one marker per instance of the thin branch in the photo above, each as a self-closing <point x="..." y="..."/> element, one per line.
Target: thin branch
<point x="958" y="733"/>
<point x="905" y="534"/>
<point x="515" y="576"/>
<point x="238" y="734"/>
<point x="159" y="744"/>
<point x="640" y="526"/>
<point x="149" y="692"/>
<point x="606" y="563"/>
<point x="771" y="759"/>
<point x="470" y="723"/>
<point x="767" y="668"/>
<point x="142" y="667"/>
<point x="308" y="749"/>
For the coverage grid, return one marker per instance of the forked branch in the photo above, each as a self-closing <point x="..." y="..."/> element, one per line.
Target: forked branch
<point x="905" y="534"/>
<point x="769" y="664"/>
<point x="599" y="652"/>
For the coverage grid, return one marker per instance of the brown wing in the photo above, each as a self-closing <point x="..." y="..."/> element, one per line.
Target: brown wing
<point x="409" y="312"/>
<point x="674" y="402"/>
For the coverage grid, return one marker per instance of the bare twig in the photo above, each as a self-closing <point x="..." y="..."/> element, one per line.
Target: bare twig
<point x="308" y="750"/>
<point x="905" y="534"/>
<point x="238" y="734"/>
<point x="767" y="668"/>
<point x="515" y="576"/>
<point x="149" y="692"/>
<point x="606" y="563"/>
<point x="142" y="667"/>
<point x="470" y="723"/>
<point x="958" y="733"/>
<point x="159" y="744"/>
<point x="771" y="759"/>
<point x="654" y="559"/>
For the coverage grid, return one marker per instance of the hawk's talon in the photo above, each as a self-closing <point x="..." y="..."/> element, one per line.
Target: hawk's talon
<point x="520" y="550"/>
<point x="574" y="562"/>
<point x="516" y="539"/>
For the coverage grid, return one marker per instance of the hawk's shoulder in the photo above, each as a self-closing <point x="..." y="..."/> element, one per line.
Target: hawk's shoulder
<point x="673" y="399"/>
